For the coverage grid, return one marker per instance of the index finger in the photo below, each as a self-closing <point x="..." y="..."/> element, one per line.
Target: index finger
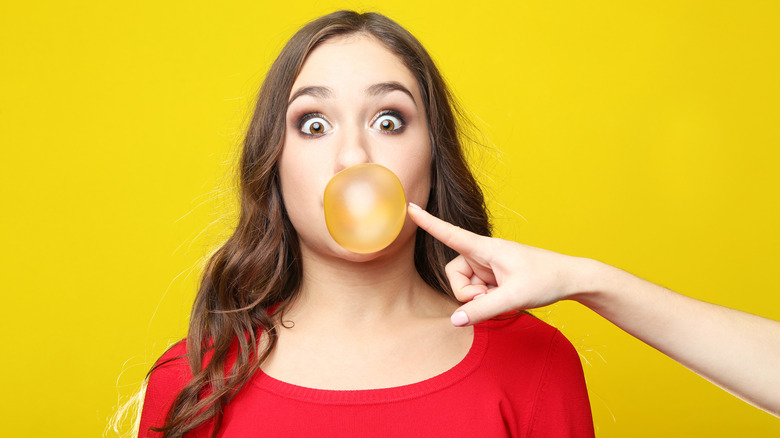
<point x="462" y="241"/>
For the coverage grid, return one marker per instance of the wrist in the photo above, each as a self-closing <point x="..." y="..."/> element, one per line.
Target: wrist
<point x="587" y="286"/>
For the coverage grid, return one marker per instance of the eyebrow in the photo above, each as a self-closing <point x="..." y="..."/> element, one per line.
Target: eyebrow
<point x="320" y="92"/>
<point x="387" y="87"/>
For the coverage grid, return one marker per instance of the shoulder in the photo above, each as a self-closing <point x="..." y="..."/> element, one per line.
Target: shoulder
<point x="169" y="375"/>
<point x="172" y="372"/>
<point x="537" y="363"/>
<point x="172" y="366"/>
<point x="524" y="331"/>
<point x="527" y="344"/>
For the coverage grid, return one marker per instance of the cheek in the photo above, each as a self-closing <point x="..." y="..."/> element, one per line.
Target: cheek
<point x="293" y="186"/>
<point x="418" y="189"/>
<point x="418" y="171"/>
<point x="302" y="188"/>
<point x="415" y="176"/>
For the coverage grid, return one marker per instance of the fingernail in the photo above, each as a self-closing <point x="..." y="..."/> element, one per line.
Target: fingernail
<point x="413" y="205"/>
<point x="459" y="318"/>
<point x="478" y="296"/>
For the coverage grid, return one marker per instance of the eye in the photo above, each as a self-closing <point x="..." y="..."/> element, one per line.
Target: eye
<point x="313" y="124"/>
<point x="389" y="122"/>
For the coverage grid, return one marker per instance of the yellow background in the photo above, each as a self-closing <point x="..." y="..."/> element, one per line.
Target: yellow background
<point x="643" y="135"/>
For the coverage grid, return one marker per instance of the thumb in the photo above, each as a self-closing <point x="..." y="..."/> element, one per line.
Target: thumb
<point x="482" y="308"/>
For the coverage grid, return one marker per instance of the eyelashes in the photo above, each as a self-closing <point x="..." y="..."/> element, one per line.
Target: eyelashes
<point x="389" y="121"/>
<point x="315" y="124"/>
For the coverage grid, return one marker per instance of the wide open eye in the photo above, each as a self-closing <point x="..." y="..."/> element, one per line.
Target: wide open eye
<point x="314" y="124"/>
<point x="389" y="122"/>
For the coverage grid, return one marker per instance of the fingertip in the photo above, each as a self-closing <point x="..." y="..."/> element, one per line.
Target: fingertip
<point x="415" y="212"/>
<point x="459" y="318"/>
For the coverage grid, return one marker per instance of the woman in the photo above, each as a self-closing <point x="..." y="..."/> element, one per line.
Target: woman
<point x="292" y="335"/>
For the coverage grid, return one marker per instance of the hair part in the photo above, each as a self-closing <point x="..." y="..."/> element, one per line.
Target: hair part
<point x="259" y="266"/>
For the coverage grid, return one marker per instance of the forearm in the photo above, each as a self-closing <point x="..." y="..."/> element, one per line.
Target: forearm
<point x="737" y="351"/>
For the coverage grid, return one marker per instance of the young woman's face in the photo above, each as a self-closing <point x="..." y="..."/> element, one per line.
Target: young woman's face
<point x="353" y="102"/>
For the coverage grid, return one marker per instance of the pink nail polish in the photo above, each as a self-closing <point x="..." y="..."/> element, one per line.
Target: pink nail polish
<point x="478" y="296"/>
<point x="413" y="205"/>
<point x="459" y="318"/>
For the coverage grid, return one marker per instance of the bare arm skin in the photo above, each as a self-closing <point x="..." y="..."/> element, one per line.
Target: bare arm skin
<point x="737" y="351"/>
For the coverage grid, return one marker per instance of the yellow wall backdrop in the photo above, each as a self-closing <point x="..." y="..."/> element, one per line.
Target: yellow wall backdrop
<point x="642" y="134"/>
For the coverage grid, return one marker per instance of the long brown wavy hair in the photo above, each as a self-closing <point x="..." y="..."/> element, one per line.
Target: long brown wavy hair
<point x="259" y="265"/>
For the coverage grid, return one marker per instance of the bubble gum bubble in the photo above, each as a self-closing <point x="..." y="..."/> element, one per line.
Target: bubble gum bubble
<point x="365" y="208"/>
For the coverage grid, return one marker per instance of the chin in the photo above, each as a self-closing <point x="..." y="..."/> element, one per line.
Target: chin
<point x="406" y="238"/>
<point x="389" y="250"/>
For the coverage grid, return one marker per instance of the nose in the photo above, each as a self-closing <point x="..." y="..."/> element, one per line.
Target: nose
<point x="352" y="148"/>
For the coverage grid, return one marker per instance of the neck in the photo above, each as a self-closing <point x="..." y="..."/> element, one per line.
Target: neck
<point x="383" y="291"/>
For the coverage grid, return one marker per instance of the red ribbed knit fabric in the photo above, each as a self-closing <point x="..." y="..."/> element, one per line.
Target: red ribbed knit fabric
<point x="521" y="378"/>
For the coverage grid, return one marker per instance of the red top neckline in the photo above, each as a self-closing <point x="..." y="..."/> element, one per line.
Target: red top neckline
<point x="381" y="395"/>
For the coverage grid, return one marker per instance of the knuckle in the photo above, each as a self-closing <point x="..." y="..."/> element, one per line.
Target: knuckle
<point x="459" y="295"/>
<point x="449" y="267"/>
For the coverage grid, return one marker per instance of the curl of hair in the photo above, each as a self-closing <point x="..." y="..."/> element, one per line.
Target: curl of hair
<point x="259" y="265"/>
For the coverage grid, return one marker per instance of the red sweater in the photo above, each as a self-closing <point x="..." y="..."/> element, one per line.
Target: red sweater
<point x="521" y="378"/>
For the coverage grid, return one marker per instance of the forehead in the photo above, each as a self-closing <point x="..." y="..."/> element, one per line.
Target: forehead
<point x="353" y="61"/>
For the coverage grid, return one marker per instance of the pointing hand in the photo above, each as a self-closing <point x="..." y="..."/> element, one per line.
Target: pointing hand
<point x="495" y="276"/>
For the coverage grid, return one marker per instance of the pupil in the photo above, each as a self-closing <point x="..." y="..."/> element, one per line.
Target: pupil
<point x="316" y="127"/>
<point x="387" y="125"/>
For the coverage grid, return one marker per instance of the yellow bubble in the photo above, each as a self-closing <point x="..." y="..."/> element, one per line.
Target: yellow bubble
<point x="365" y="207"/>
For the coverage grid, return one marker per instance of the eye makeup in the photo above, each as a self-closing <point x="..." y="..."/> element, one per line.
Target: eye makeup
<point x="391" y="113"/>
<point x="300" y="119"/>
<point x="308" y="116"/>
